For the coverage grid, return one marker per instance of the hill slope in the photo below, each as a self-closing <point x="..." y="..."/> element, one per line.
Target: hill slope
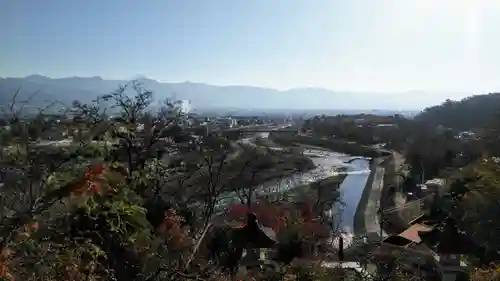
<point x="472" y="112"/>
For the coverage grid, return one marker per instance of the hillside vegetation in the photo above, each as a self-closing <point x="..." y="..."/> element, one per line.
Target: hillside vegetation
<point x="126" y="202"/>
<point x="469" y="113"/>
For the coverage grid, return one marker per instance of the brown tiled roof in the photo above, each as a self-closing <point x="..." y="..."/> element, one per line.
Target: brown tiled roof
<point x="412" y="233"/>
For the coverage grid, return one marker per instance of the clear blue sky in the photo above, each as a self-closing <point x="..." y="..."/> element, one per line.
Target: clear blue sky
<point x="367" y="45"/>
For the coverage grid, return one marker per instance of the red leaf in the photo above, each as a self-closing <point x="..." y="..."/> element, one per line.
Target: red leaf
<point x="95" y="187"/>
<point x="237" y="211"/>
<point x="98" y="169"/>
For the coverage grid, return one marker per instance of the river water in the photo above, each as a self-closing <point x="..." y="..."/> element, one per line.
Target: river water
<point x="351" y="188"/>
<point x="328" y="164"/>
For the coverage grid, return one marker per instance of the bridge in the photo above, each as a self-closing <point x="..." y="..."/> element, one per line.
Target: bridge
<point x="263" y="128"/>
<point x="288" y="130"/>
<point x="352" y="159"/>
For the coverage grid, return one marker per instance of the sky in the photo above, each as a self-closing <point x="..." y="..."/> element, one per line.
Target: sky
<point x="449" y="47"/>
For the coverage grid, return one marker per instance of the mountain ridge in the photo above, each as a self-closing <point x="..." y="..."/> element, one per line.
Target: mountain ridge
<point x="202" y="95"/>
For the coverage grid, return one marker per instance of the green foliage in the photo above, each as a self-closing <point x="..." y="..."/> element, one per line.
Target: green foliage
<point x="139" y="206"/>
<point x="363" y="129"/>
<point x="343" y="146"/>
<point x="473" y="202"/>
<point x="480" y="111"/>
<point x="93" y="150"/>
<point x="66" y="217"/>
<point x="429" y="154"/>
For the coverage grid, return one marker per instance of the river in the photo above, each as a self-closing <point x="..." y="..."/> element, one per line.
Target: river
<point x="328" y="164"/>
<point x="351" y="188"/>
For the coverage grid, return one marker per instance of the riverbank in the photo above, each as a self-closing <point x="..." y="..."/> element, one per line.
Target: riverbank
<point x="368" y="220"/>
<point x="342" y="146"/>
<point x="365" y="220"/>
<point x="359" y="224"/>
<point x="322" y="192"/>
<point x="377" y="197"/>
<point x="365" y="217"/>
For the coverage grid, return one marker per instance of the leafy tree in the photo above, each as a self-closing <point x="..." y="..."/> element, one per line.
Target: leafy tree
<point x="470" y="206"/>
<point x="136" y="195"/>
<point x="479" y="111"/>
<point x="87" y="210"/>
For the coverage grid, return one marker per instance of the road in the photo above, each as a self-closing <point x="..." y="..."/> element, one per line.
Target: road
<point x="398" y="200"/>
<point x="372" y="216"/>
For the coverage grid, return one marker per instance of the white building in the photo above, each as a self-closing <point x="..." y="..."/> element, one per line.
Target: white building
<point x="185" y="106"/>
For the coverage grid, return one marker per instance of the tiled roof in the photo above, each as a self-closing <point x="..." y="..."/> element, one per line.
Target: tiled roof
<point x="412" y="233"/>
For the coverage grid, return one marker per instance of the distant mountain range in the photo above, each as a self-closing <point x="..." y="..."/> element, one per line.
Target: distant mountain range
<point x="202" y="96"/>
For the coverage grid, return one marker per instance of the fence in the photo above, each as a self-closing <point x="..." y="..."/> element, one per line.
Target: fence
<point x="409" y="211"/>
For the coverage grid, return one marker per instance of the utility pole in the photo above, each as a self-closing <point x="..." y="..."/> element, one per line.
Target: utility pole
<point x="423" y="172"/>
<point x="381" y="222"/>
<point x="341" y="248"/>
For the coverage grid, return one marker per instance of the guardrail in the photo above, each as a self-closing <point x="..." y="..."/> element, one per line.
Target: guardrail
<point x="410" y="211"/>
<point x="418" y="202"/>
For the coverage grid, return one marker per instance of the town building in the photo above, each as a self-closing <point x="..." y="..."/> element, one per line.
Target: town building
<point x="418" y="254"/>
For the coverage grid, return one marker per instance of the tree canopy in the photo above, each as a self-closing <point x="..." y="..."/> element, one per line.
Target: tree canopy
<point x="467" y="114"/>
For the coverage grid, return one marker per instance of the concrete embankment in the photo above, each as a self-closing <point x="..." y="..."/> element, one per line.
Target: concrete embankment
<point x="379" y="196"/>
<point x="366" y="219"/>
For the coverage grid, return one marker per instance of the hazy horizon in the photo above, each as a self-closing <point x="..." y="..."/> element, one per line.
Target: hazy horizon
<point x="233" y="96"/>
<point x="138" y="77"/>
<point x="445" y="48"/>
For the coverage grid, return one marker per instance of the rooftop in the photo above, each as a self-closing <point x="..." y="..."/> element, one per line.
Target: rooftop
<point x="413" y="232"/>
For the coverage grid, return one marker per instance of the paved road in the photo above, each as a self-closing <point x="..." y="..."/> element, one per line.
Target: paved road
<point x="372" y="216"/>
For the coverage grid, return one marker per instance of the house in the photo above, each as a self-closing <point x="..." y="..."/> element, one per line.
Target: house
<point x="413" y="250"/>
<point x="426" y="191"/>
<point x="466" y="135"/>
<point x="411" y="258"/>
<point x="359" y="121"/>
<point x="388" y="125"/>
<point x="434" y="186"/>
<point x="227" y="122"/>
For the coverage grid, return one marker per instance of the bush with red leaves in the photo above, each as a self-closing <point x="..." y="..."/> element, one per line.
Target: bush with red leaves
<point x="307" y="211"/>
<point x="268" y="215"/>
<point x="274" y="216"/>
<point x="93" y="181"/>
<point x="237" y="212"/>
<point x="176" y="236"/>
